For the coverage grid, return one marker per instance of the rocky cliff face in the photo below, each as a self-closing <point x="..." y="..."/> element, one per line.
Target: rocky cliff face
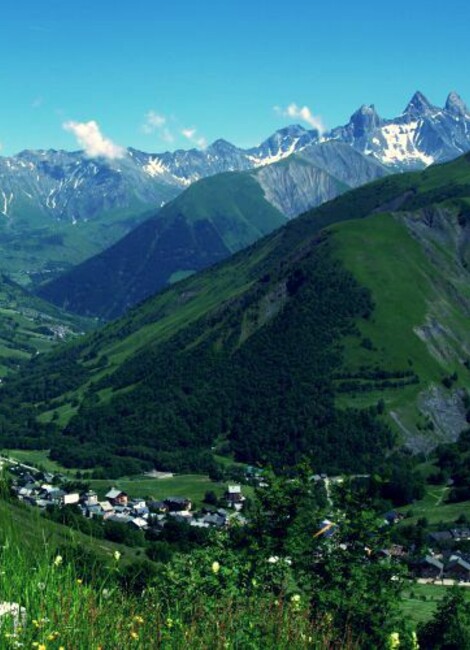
<point x="423" y="134"/>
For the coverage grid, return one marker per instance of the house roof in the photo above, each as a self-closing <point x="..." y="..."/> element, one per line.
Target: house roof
<point x="114" y="493"/>
<point x="120" y="519"/>
<point x="214" y="519"/>
<point x="107" y="507"/>
<point x="234" y="489"/>
<point x="460" y="562"/>
<point x="432" y="561"/>
<point x="460" y="533"/>
<point x="139" y="522"/>
<point x="58" y="492"/>
<point x="94" y="508"/>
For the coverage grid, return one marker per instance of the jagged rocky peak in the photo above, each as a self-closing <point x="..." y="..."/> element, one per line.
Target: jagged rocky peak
<point x="456" y="105"/>
<point x="419" y="105"/>
<point x="289" y="133"/>
<point x="364" y="119"/>
<point x="292" y="130"/>
<point x="221" y="145"/>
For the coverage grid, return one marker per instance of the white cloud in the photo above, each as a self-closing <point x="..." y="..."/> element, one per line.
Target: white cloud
<point x="192" y="136"/>
<point x="153" y="122"/>
<point x="167" y="127"/>
<point x="157" y="123"/>
<point x="303" y="113"/>
<point x="94" y="143"/>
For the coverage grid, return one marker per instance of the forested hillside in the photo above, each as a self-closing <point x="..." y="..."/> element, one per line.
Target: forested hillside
<point x="280" y="351"/>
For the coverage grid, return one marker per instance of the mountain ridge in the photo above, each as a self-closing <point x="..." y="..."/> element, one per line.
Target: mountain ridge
<point x="239" y="206"/>
<point x="58" y="208"/>
<point x="181" y="167"/>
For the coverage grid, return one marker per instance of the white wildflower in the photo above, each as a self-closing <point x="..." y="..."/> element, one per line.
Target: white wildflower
<point x="17" y="613"/>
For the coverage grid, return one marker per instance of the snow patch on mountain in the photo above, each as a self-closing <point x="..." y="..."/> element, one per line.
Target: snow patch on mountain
<point x="154" y="167"/>
<point x="401" y="144"/>
<point x="7" y="201"/>
<point x="262" y="161"/>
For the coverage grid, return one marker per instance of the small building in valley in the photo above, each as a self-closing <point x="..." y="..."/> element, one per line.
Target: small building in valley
<point x="117" y="497"/>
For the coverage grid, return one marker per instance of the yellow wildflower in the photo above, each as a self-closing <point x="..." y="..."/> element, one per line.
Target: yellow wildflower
<point x="215" y="567"/>
<point x="79" y="581"/>
<point x="138" y="619"/>
<point x="134" y="634"/>
<point x="295" y="600"/>
<point x="394" y="641"/>
<point x="117" y="555"/>
<point x="58" y="560"/>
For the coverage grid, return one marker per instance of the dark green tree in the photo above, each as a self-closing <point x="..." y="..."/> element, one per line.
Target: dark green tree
<point x="450" y="627"/>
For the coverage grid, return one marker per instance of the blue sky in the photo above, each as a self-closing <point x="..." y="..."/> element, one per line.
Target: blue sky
<point x="158" y="76"/>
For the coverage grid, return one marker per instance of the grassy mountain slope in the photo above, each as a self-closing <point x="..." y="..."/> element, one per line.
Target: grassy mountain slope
<point x="212" y="219"/>
<point x="420" y="323"/>
<point x="37" y="248"/>
<point x="267" y="350"/>
<point x="29" y="326"/>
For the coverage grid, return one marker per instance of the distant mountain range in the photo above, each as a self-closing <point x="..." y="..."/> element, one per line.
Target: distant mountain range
<point x="59" y="208"/>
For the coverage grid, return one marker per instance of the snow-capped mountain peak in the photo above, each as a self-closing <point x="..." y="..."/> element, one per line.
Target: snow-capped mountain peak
<point x="73" y="187"/>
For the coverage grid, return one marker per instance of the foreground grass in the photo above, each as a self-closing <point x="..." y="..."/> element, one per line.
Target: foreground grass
<point x="34" y="530"/>
<point x="63" y="608"/>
